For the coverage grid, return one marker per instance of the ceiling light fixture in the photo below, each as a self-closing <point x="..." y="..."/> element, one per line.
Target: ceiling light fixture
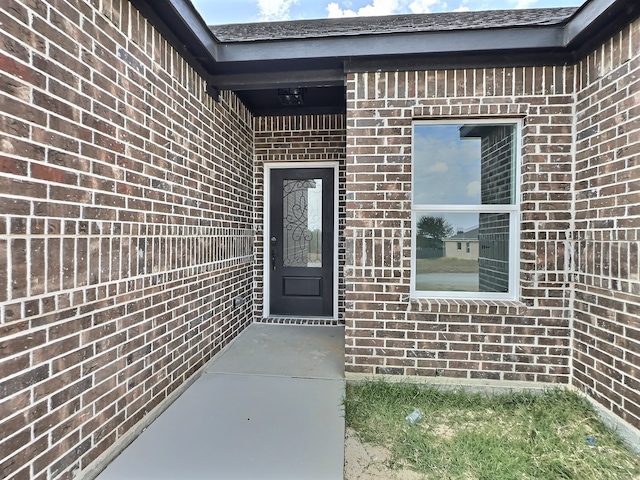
<point x="291" y="96"/>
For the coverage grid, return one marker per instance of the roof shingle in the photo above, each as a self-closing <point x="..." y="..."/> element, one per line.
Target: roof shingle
<point x="430" y="22"/>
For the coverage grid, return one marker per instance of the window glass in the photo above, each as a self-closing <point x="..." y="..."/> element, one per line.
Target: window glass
<point x="464" y="193"/>
<point x="463" y="164"/>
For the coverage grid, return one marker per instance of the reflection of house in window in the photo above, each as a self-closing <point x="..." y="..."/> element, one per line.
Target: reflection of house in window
<point x="453" y="245"/>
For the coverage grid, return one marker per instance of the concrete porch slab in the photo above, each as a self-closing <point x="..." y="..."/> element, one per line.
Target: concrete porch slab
<point x="254" y="414"/>
<point x="287" y="350"/>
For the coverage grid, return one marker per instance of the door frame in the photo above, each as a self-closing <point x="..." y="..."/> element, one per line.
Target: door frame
<point x="266" y="228"/>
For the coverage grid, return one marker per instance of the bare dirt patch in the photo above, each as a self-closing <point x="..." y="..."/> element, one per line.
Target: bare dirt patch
<point x="363" y="461"/>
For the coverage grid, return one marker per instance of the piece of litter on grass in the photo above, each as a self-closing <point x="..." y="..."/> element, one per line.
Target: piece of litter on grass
<point x="591" y="441"/>
<point x="413" y="417"/>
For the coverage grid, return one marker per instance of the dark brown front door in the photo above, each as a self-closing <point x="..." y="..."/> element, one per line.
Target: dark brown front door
<point x="301" y="242"/>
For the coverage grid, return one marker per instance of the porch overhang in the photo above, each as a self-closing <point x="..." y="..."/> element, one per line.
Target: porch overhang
<point x="255" y="60"/>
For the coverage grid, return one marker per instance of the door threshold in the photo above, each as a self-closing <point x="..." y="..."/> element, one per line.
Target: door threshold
<point x="297" y="320"/>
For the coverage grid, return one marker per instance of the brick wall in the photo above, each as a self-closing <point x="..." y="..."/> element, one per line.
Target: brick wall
<point x="606" y="356"/>
<point x="387" y="332"/>
<point x="126" y="228"/>
<point x="298" y="139"/>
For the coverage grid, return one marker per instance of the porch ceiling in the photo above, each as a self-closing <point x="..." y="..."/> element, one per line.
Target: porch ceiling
<point x="259" y="60"/>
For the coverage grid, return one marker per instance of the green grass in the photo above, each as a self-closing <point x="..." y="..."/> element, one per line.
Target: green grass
<point x="446" y="265"/>
<point x="488" y="437"/>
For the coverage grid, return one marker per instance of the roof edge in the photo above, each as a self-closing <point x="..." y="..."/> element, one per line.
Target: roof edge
<point x="229" y="66"/>
<point x="348" y="27"/>
<point x="596" y="20"/>
<point x="182" y="23"/>
<point x="408" y="43"/>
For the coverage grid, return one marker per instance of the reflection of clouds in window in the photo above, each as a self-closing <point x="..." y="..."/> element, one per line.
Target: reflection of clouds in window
<point x="439" y="167"/>
<point x="445" y="166"/>
<point x="473" y="189"/>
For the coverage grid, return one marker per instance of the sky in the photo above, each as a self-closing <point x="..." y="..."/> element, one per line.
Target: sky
<point x="454" y="178"/>
<point x="243" y="11"/>
<point x="449" y="173"/>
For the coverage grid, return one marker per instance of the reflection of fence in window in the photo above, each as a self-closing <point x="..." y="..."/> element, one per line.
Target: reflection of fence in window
<point x="303" y="249"/>
<point x="315" y="248"/>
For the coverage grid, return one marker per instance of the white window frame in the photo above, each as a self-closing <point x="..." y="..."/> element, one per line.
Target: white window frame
<point x="512" y="209"/>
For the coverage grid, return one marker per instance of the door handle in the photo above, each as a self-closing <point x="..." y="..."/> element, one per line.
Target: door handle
<point x="273" y="252"/>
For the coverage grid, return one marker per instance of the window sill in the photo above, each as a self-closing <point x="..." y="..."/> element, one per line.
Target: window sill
<point x="487" y="307"/>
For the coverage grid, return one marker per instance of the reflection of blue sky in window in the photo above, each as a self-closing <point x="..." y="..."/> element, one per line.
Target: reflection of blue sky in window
<point x="446" y="168"/>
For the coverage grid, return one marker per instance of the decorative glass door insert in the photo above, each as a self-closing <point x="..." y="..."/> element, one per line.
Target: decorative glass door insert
<point x="302" y="223"/>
